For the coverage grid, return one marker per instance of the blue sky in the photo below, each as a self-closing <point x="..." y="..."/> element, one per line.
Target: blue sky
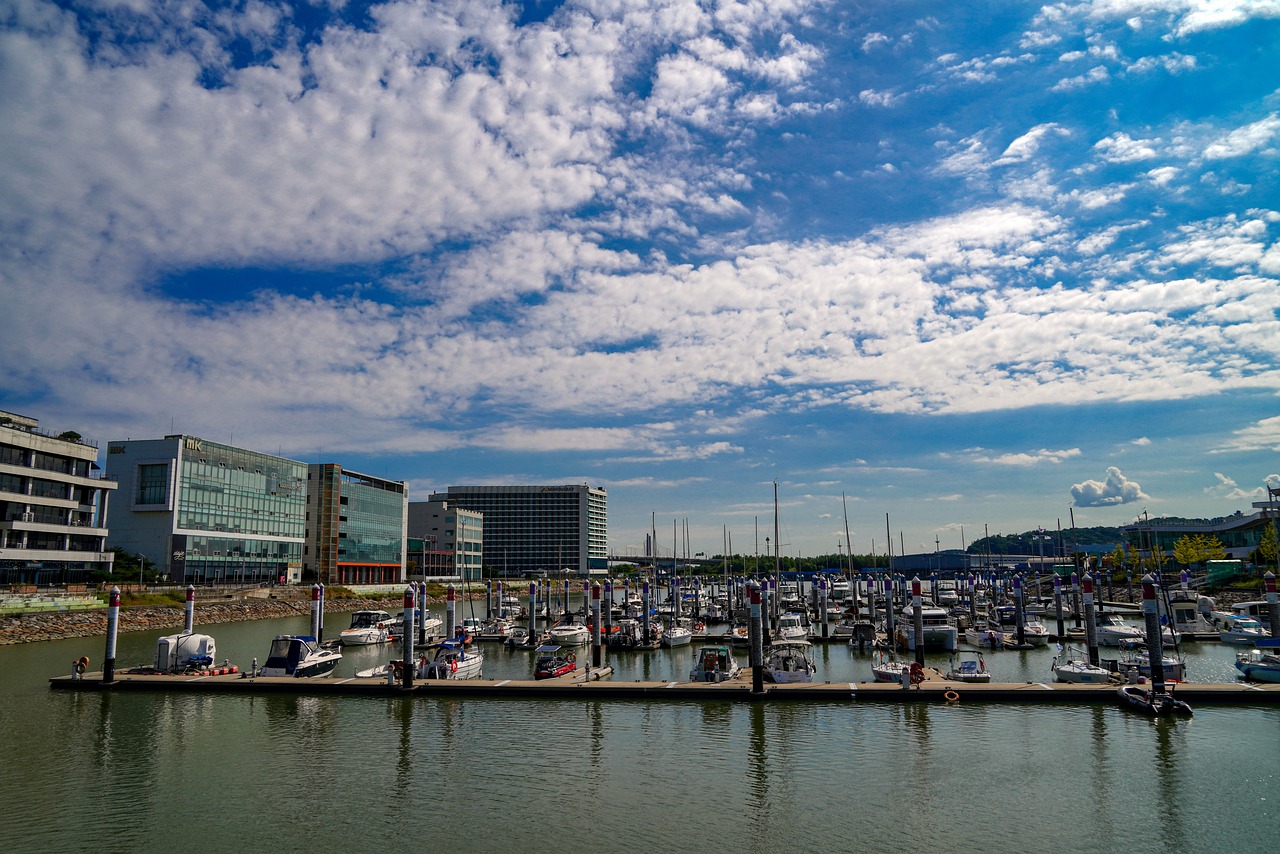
<point x="979" y="264"/>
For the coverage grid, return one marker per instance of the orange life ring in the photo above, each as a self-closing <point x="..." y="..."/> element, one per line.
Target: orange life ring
<point x="81" y="664"/>
<point x="453" y="665"/>
<point x="952" y="697"/>
<point x="571" y="658"/>
<point x="917" y="673"/>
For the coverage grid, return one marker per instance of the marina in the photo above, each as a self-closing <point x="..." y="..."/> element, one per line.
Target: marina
<point x="846" y="752"/>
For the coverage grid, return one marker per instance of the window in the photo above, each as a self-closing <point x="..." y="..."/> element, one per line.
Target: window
<point x="153" y="483"/>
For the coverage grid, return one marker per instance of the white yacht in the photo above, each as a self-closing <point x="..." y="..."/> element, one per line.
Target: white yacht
<point x="790" y="661"/>
<point x="939" y="631"/>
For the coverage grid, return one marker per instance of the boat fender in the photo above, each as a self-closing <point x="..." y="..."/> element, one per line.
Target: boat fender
<point x="453" y="665"/>
<point x="917" y="673"/>
<point x="952" y="697"/>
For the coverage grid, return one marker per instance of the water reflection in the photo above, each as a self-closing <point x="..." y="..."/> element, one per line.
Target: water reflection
<point x="1170" y="744"/>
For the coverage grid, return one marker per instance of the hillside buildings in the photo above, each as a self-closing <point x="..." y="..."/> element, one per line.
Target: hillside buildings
<point x="53" y="505"/>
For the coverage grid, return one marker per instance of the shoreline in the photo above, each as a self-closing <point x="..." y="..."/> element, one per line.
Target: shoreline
<point x="64" y="625"/>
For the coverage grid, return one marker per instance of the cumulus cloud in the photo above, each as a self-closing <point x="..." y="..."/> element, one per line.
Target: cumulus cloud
<point x="1028" y="458"/>
<point x="1245" y="140"/>
<point x="1116" y="489"/>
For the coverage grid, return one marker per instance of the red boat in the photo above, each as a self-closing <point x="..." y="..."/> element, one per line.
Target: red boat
<point x="552" y="662"/>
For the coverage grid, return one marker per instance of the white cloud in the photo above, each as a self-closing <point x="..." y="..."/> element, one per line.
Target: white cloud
<point x="1120" y="148"/>
<point x="1245" y="140"/>
<point x="1262" y="436"/>
<point x="1028" y="458"/>
<point x="1025" y="146"/>
<point x="1116" y="489"/>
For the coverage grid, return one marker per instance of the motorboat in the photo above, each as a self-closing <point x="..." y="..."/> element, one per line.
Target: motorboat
<point x="553" y="661"/>
<point x="1262" y="663"/>
<point x="1241" y="630"/>
<point x="791" y="626"/>
<point x="739" y="634"/>
<point x="677" y="634"/>
<point x="453" y="661"/>
<point x="790" y="661"/>
<point x="181" y="652"/>
<point x="1111" y="630"/>
<point x="969" y="668"/>
<point x="986" y="636"/>
<point x="714" y="664"/>
<point x="939" y="631"/>
<point x="473" y="627"/>
<point x="519" y="636"/>
<point x="1078" y="670"/>
<point x="431" y="626"/>
<point x="1153" y="703"/>
<point x="300" y="656"/>
<point x="570" y="634"/>
<point x="1135" y="661"/>
<point x="367" y="627"/>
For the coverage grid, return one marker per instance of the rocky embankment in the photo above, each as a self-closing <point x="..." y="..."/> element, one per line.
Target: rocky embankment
<point x="56" y="625"/>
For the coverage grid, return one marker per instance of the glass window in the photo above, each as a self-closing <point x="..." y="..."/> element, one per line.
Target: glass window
<point x="153" y="483"/>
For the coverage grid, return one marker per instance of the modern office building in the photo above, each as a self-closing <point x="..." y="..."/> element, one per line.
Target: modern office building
<point x="356" y="527"/>
<point x="1239" y="534"/>
<point x="539" y="529"/>
<point x="53" y="505"/>
<point x="451" y="540"/>
<point x="205" y="512"/>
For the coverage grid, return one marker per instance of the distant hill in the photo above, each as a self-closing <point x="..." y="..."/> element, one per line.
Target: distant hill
<point x="1028" y="543"/>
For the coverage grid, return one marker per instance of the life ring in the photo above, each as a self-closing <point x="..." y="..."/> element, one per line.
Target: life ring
<point x="453" y="665"/>
<point x="917" y="673"/>
<point x="699" y="627"/>
<point x="952" y="697"/>
<point x="571" y="658"/>
<point x="396" y="667"/>
<point x="81" y="664"/>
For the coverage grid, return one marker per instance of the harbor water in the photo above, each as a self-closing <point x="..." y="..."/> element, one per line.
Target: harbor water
<point x="150" y="772"/>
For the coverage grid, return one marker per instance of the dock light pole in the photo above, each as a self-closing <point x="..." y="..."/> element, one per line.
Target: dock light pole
<point x="755" y="630"/>
<point x="1090" y="624"/>
<point x="451" y="595"/>
<point x="189" y="623"/>
<point x="1075" y="597"/>
<point x="822" y="603"/>
<point x="315" y="611"/>
<point x="1019" y="612"/>
<point x="320" y="616"/>
<point x="1057" y="607"/>
<point x="917" y="613"/>
<point x="1155" y="642"/>
<point x="533" y="613"/>
<point x="595" y="624"/>
<point x="113" y="626"/>
<point x="409" y="665"/>
<point x="1273" y="603"/>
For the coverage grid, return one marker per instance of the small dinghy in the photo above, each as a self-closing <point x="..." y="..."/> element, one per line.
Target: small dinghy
<point x="1156" y="705"/>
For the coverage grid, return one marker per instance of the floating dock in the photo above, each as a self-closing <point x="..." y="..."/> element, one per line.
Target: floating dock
<point x="579" y="685"/>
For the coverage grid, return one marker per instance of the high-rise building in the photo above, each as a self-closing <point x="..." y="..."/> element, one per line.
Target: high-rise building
<point x="205" y="512"/>
<point x="451" y="540"/>
<point x="53" y="505"/>
<point x="356" y="527"/>
<point x="543" y="529"/>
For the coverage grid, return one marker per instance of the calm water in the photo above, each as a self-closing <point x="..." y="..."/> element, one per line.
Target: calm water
<point x="143" y="772"/>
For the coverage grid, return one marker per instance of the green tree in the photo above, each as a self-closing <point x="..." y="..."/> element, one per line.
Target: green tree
<point x="1194" y="549"/>
<point x="1269" y="544"/>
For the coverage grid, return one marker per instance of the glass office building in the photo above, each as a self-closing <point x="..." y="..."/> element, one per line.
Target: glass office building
<point x="356" y="527"/>
<point x="205" y="512"/>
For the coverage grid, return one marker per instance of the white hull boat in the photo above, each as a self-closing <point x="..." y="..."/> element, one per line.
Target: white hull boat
<point x="299" y="656"/>
<point x="714" y="664"/>
<point x="790" y="661"/>
<point x="570" y="635"/>
<point x="453" y="661"/>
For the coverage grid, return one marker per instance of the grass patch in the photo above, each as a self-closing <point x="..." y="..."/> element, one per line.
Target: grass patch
<point x="136" y="600"/>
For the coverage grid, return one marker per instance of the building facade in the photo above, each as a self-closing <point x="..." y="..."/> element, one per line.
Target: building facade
<point x="356" y="527"/>
<point x="539" y="529"/>
<point x="450" y="540"/>
<point x="1240" y="534"/>
<point x="53" y="506"/>
<point x="208" y="513"/>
